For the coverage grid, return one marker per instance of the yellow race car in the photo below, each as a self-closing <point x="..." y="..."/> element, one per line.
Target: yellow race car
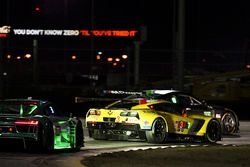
<point x="155" y="122"/>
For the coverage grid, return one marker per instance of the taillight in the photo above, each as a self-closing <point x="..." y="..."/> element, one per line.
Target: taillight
<point x="95" y="112"/>
<point x="26" y="122"/>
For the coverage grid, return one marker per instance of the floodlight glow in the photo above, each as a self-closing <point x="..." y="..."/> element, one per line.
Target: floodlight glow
<point x="163" y="92"/>
<point x="8" y="56"/>
<point x="27" y="56"/>
<point x="124" y="56"/>
<point x="98" y="57"/>
<point x="73" y="57"/>
<point x="110" y="59"/>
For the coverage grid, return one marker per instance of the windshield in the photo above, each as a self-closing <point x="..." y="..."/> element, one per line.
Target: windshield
<point x="18" y="108"/>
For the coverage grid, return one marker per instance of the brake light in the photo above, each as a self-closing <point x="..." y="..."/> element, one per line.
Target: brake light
<point x="142" y="101"/>
<point x="95" y="112"/>
<point x="26" y="122"/>
<point x="27" y="102"/>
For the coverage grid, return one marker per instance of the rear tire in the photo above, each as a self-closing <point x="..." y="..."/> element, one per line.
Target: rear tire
<point x="46" y="138"/>
<point x="213" y="132"/>
<point x="79" y="137"/>
<point x="158" y="134"/>
<point x="91" y="131"/>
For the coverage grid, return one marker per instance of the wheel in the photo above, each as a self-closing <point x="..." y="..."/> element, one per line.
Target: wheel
<point x="158" y="134"/>
<point x="213" y="133"/>
<point x="91" y="131"/>
<point x="46" y="138"/>
<point x="99" y="135"/>
<point x="79" y="137"/>
<point x="228" y="123"/>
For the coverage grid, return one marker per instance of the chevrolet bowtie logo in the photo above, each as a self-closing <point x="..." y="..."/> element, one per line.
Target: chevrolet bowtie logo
<point x="110" y="112"/>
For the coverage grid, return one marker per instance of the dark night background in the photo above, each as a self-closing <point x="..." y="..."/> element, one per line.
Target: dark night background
<point x="220" y="25"/>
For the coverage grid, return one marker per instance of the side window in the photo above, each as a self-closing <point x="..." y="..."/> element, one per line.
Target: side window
<point x="195" y="101"/>
<point x="174" y="99"/>
<point x="168" y="107"/>
<point x="184" y="100"/>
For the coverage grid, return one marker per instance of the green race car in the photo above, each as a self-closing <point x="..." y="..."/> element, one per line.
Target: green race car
<point x="38" y="124"/>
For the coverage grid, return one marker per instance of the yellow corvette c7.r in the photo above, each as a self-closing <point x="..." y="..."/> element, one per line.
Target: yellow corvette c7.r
<point x="155" y="122"/>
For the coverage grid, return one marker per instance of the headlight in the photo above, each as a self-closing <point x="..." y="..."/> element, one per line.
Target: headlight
<point x="94" y="112"/>
<point x="207" y="113"/>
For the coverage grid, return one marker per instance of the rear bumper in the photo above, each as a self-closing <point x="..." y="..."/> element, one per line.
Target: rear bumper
<point x="116" y="131"/>
<point x="113" y="126"/>
<point x="27" y="136"/>
<point x="9" y="139"/>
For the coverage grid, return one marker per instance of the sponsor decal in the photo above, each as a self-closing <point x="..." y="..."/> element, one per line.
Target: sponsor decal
<point x="132" y="120"/>
<point x="4" y="31"/>
<point x="146" y="127"/>
<point x="180" y="125"/>
<point x="146" y="122"/>
<point x="118" y="119"/>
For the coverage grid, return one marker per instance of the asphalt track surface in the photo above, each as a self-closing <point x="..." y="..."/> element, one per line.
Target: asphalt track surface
<point x="17" y="157"/>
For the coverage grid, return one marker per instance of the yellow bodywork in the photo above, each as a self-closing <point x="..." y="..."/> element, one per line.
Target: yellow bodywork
<point x="143" y="116"/>
<point x="177" y="123"/>
<point x="146" y="117"/>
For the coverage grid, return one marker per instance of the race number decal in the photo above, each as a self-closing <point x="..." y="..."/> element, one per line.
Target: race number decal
<point x="180" y="125"/>
<point x="118" y="119"/>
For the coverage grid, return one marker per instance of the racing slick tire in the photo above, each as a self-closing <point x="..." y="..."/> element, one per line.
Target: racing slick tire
<point x="79" y="135"/>
<point x="91" y="131"/>
<point x="158" y="133"/>
<point x="46" y="138"/>
<point x="228" y="123"/>
<point x="99" y="135"/>
<point x="213" y="132"/>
